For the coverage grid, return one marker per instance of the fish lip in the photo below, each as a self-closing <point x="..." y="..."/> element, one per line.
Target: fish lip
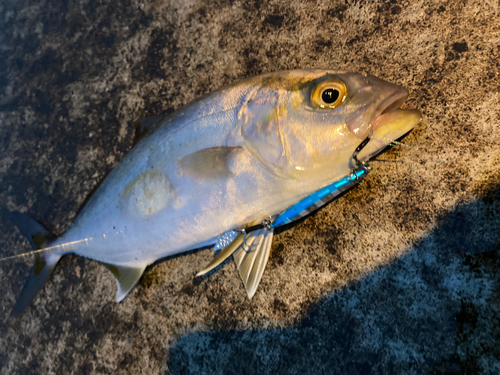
<point x="389" y="104"/>
<point x="387" y="97"/>
<point x="393" y="102"/>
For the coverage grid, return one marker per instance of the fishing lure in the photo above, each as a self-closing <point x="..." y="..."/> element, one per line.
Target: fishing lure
<point x="251" y="259"/>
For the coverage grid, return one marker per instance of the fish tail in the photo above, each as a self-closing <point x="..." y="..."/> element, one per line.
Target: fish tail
<point x="45" y="261"/>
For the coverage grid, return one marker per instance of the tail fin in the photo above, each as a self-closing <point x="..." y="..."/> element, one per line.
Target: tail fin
<point x="44" y="263"/>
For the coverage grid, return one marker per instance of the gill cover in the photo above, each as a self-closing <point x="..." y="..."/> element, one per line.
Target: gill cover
<point x="296" y="127"/>
<point x="261" y="122"/>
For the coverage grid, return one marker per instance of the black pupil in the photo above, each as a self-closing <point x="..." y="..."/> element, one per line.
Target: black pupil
<point x="330" y="96"/>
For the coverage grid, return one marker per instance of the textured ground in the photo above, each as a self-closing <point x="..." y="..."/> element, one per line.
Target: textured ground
<point x="400" y="275"/>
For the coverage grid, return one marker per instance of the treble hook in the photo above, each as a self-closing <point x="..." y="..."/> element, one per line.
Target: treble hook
<point x="361" y="164"/>
<point x="244" y="245"/>
<point x="246" y="248"/>
<point x="266" y="223"/>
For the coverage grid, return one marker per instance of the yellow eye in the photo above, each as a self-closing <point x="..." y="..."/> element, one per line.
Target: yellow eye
<point x="329" y="94"/>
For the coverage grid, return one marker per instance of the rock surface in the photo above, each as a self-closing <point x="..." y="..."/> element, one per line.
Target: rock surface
<point x="400" y="275"/>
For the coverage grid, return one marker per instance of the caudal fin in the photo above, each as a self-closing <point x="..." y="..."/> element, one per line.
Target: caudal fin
<point x="44" y="264"/>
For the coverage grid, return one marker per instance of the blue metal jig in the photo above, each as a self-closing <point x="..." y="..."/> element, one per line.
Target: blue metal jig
<point x="318" y="198"/>
<point x="314" y="201"/>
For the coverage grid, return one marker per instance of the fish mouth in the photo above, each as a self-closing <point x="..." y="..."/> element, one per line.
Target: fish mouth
<point x="386" y="98"/>
<point x="391" y="124"/>
<point x="389" y="127"/>
<point x="388" y="106"/>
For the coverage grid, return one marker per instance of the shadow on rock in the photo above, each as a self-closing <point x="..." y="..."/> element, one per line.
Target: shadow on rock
<point x="434" y="310"/>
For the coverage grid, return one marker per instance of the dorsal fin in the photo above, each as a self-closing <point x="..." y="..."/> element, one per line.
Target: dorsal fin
<point x="252" y="262"/>
<point x="126" y="278"/>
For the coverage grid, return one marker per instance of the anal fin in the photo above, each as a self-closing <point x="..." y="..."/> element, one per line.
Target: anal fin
<point x="126" y="278"/>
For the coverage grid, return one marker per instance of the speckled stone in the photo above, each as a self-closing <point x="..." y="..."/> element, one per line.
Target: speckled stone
<point x="399" y="275"/>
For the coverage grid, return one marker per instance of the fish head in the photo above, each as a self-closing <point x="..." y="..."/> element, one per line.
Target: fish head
<point x="306" y="124"/>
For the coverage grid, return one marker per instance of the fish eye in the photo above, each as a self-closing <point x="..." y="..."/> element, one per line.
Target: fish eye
<point x="328" y="94"/>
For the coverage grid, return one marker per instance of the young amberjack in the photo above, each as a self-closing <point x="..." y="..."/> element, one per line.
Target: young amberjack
<point x="230" y="159"/>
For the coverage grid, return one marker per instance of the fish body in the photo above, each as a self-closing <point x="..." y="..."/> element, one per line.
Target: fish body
<point x="241" y="154"/>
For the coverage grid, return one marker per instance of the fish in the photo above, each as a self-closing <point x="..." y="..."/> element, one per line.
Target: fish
<point x="224" y="171"/>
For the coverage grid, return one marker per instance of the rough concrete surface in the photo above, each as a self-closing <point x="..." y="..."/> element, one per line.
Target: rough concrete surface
<point x="400" y="275"/>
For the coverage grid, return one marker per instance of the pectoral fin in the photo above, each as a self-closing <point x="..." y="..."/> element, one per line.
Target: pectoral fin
<point x="252" y="261"/>
<point x="208" y="164"/>
<point x="126" y="278"/>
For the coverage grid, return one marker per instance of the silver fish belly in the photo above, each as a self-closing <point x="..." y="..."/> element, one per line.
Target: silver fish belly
<point x="229" y="160"/>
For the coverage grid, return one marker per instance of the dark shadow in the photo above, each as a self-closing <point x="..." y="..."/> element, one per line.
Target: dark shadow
<point x="434" y="310"/>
